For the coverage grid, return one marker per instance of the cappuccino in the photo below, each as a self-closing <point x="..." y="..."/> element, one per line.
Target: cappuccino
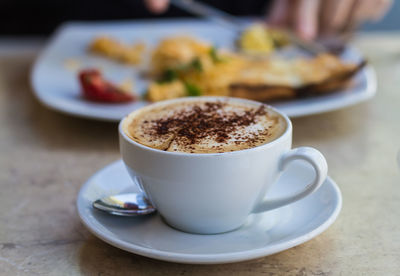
<point x="204" y="125"/>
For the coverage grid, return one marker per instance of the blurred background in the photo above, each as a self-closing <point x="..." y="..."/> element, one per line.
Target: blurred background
<point x="390" y="22"/>
<point x="22" y="17"/>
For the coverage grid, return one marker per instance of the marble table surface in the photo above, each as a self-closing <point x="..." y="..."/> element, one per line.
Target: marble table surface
<point x="46" y="156"/>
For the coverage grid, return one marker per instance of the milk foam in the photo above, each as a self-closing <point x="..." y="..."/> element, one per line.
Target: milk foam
<point x="220" y="125"/>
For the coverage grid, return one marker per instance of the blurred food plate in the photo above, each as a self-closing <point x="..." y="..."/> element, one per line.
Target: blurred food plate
<point x="55" y="83"/>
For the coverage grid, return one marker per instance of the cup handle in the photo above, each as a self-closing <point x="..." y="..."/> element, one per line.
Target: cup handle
<point x="312" y="156"/>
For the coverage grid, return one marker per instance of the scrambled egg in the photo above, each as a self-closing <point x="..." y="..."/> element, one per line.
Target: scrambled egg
<point x="176" y="51"/>
<point x="258" y="39"/>
<point x="164" y="91"/>
<point x="198" y="66"/>
<point x="111" y="48"/>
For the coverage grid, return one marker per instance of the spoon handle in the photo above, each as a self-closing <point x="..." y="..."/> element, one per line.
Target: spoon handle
<point x="125" y="205"/>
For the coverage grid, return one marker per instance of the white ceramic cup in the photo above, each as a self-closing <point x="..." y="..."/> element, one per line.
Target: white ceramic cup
<point x="215" y="192"/>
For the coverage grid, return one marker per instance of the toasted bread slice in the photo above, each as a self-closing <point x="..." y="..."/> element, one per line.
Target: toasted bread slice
<point x="323" y="74"/>
<point x="262" y="92"/>
<point x="333" y="83"/>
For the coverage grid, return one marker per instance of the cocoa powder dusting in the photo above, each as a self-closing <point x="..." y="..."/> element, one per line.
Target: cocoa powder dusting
<point x="198" y="122"/>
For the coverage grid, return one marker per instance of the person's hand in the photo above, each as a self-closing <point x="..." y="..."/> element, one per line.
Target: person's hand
<point x="312" y="18"/>
<point x="157" y="6"/>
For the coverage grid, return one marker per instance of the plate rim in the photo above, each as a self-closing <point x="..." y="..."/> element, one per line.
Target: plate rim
<point x="218" y="258"/>
<point x="368" y="70"/>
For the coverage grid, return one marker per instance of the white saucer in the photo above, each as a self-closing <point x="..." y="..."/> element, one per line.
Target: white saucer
<point x="262" y="234"/>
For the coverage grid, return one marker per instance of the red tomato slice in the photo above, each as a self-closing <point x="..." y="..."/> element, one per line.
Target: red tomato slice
<point x="96" y="88"/>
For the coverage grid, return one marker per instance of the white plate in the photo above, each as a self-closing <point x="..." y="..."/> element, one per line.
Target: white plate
<point x="57" y="87"/>
<point x="262" y="234"/>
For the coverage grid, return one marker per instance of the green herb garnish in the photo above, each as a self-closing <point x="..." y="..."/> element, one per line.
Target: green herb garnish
<point x="195" y="65"/>
<point x="168" y="76"/>
<point x="214" y="56"/>
<point x="192" y="90"/>
<point x="172" y="74"/>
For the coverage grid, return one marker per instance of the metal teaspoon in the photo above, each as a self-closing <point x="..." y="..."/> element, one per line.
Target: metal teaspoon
<point x="131" y="204"/>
